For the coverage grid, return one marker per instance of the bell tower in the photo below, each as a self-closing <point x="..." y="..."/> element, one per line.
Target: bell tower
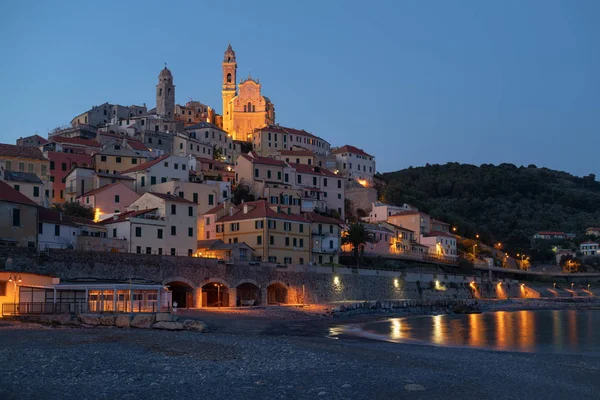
<point x="228" y="90"/>
<point x="165" y="94"/>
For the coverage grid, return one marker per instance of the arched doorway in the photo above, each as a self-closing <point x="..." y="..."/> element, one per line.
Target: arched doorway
<point x="277" y="293"/>
<point x="215" y="294"/>
<point x="248" y="294"/>
<point x="182" y="294"/>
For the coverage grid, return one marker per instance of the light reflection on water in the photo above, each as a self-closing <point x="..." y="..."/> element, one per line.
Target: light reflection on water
<point x="529" y="331"/>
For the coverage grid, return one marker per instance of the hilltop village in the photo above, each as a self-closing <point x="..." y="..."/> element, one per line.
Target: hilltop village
<point x="182" y="180"/>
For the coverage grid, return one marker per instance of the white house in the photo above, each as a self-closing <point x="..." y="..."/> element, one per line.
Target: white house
<point x="56" y="230"/>
<point x="589" y="248"/>
<point x="381" y="211"/>
<point x="157" y="223"/>
<point x="440" y="244"/>
<point x="355" y="164"/>
<point x="160" y="170"/>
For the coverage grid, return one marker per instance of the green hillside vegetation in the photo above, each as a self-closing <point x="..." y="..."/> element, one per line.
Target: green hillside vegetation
<point x="503" y="203"/>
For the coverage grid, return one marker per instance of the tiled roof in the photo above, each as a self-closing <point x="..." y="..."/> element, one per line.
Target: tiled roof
<point x="408" y="212"/>
<point x="202" y="125"/>
<point x="115" y="176"/>
<point x="314" y="217"/>
<point x="75" y="141"/>
<point x="171" y="197"/>
<point x="263" y="160"/>
<point x="13" y="150"/>
<point x="399" y="227"/>
<point x="351" y="149"/>
<point x="8" y="193"/>
<point x="313" y="169"/>
<point x="15" y="176"/>
<point x="285" y="129"/>
<point x="589" y="242"/>
<point x="551" y="233"/>
<point x="36" y="136"/>
<point x="214" y="210"/>
<point x="125" y="216"/>
<point x="137" y="145"/>
<point x="258" y="209"/>
<point x="438" y="222"/>
<point x="100" y="189"/>
<point x="439" y="233"/>
<point x="55" y="217"/>
<point x="146" y="165"/>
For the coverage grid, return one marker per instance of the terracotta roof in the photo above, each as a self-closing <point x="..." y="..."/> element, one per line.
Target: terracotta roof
<point x="15" y="176"/>
<point x="13" y="150"/>
<point x="314" y="217"/>
<point x="589" y="242"/>
<point x="593" y="229"/>
<point x="263" y="160"/>
<point x="313" y="169"/>
<point x="38" y="137"/>
<point x="114" y="176"/>
<point x="137" y="145"/>
<point x="258" y="209"/>
<point x="285" y="129"/>
<point x="202" y="125"/>
<point x="351" y="149"/>
<point x="55" y="217"/>
<point x="400" y="227"/>
<point x="10" y="194"/>
<point x="214" y="210"/>
<point x="439" y="233"/>
<point x="125" y="216"/>
<point x="100" y="189"/>
<point x="437" y="221"/>
<point x="550" y="233"/>
<point x="146" y="165"/>
<point x="407" y="212"/>
<point x="171" y="197"/>
<point x="75" y="141"/>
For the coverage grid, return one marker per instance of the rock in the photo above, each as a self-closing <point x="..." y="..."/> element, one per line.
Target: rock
<point x="168" y="325"/>
<point x="194" y="325"/>
<point x="123" y="321"/>
<point x="164" y="317"/>
<point x="108" y="320"/>
<point x="90" y="319"/>
<point x="144" y="321"/>
<point x="59" y="319"/>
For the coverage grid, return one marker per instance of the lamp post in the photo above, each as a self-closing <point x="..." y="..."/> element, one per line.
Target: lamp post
<point x="474" y="247"/>
<point x="14" y="278"/>
<point x="218" y="294"/>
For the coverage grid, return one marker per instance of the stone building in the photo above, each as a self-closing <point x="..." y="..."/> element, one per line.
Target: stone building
<point x="18" y="218"/>
<point x="244" y="107"/>
<point x="165" y="95"/>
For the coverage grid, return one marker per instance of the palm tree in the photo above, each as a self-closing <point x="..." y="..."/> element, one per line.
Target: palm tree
<point x="357" y="236"/>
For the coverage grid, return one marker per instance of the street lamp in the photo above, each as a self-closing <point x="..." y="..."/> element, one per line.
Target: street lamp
<point x="474" y="246"/>
<point x="218" y="285"/>
<point x="454" y="229"/>
<point x="477" y="236"/>
<point x="14" y="278"/>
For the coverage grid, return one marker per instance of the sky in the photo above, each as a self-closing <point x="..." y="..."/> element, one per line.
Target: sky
<point x="410" y="82"/>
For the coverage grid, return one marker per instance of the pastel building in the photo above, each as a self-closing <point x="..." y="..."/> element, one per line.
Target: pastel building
<point x="113" y="198"/>
<point x="160" y="170"/>
<point x="589" y="248"/>
<point x="441" y="244"/>
<point x="355" y="164"/>
<point x="272" y="139"/>
<point x="381" y="211"/>
<point x="18" y="218"/>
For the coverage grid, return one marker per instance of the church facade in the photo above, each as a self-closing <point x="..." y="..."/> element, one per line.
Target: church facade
<point x="245" y="109"/>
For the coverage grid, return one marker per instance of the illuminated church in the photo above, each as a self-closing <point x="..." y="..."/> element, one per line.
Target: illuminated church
<point x="244" y="107"/>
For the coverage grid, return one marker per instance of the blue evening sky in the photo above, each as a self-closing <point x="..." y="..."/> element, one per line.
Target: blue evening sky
<point x="411" y="82"/>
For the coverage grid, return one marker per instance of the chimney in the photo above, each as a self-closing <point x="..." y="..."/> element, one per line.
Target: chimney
<point x="60" y="216"/>
<point x="230" y="210"/>
<point x="245" y="208"/>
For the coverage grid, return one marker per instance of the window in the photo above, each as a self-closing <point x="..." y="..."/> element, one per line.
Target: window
<point x="286" y="178"/>
<point x="138" y="231"/>
<point x="207" y="222"/>
<point x="30" y="168"/>
<point x="148" y="250"/>
<point x="56" y="230"/>
<point x="256" y="172"/>
<point x="314" y="181"/>
<point x="191" y="232"/>
<point x="8" y="166"/>
<point x="183" y="167"/>
<point x="272" y="259"/>
<point x="299" y="178"/>
<point x="173" y="209"/>
<point x="153" y="180"/>
<point x="272" y="240"/>
<point x="294" y="242"/>
<point x="117" y="198"/>
<point x="330" y="228"/>
<point x="138" y="249"/>
<point x="63" y="166"/>
<point x="173" y="231"/>
<point x="52" y="164"/>
<point x="163" y="180"/>
<point x="268" y="174"/>
<point x="287" y="241"/>
<point x="301" y="261"/>
<point x="234" y="226"/>
<point x="180" y="146"/>
<point x="339" y="195"/>
<point x="287" y="226"/>
<point x="301" y="242"/>
<point x="166" y="163"/>
<point x="102" y="158"/>
<point x="258" y="224"/>
<point x="17" y="187"/>
<point x="190" y="211"/>
<point x="159" y="233"/>
<point x="118" y="160"/>
<point x="16" y="217"/>
<point x="211" y="199"/>
<point x="173" y="251"/>
<point x="44" y="168"/>
<point x="325" y="182"/>
<point x="181" y="194"/>
<point x="175" y="165"/>
<point x="143" y="181"/>
<point x="259" y="240"/>
<point x="300" y="228"/>
<point x="195" y="197"/>
<point x="272" y="224"/>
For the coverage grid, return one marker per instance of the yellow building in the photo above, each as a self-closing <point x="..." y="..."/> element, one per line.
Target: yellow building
<point x="18" y="218"/>
<point x="244" y="107"/>
<point x="274" y="235"/>
<point x="116" y="157"/>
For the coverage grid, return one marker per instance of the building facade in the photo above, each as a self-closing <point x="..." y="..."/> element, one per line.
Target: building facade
<point x="355" y="164"/>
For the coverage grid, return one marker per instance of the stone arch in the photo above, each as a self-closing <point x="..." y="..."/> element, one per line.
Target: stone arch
<point x="248" y="293"/>
<point x="277" y="292"/>
<point x="181" y="291"/>
<point x="216" y="292"/>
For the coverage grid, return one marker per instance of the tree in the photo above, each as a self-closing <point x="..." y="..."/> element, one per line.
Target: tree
<point x="74" y="209"/>
<point x="217" y="153"/>
<point x="569" y="264"/>
<point x="357" y="236"/>
<point x="241" y="193"/>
